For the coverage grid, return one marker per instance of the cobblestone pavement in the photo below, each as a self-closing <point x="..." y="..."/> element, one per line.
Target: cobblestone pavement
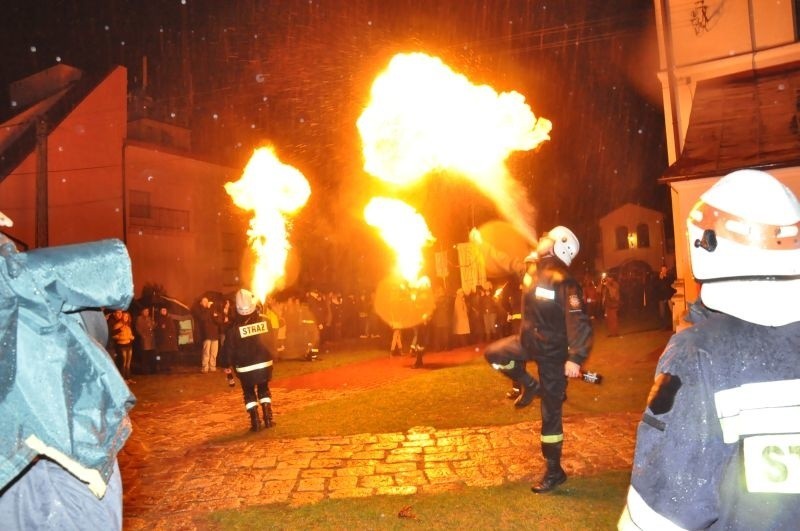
<point x="178" y="463"/>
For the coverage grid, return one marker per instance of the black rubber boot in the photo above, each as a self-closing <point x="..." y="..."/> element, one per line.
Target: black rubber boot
<point x="515" y="371"/>
<point x="266" y="410"/>
<point x="528" y="391"/>
<point x="253" y="418"/>
<point x="554" y="475"/>
<point x="418" y="361"/>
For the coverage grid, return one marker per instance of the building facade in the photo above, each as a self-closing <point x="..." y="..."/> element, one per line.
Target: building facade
<point x="633" y="233"/>
<point x="73" y="169"/>
<point x="730" y="78"/>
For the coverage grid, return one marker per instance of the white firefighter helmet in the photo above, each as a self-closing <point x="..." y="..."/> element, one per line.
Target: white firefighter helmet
<point x="744" y="244"/>
<point x="561" y="243"/>
<point x="246" y="302"/>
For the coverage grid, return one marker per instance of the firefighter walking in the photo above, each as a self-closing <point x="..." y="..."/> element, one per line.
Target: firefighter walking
<point x="247" y="353"/>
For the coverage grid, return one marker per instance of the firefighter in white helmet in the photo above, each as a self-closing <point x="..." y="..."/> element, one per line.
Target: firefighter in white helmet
<point x="556" y="333"/>
<point x="247" y="351"/>
<point x="719" y="443"/>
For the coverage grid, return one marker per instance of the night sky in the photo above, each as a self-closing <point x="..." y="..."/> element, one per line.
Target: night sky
<point x="297" y="74"/>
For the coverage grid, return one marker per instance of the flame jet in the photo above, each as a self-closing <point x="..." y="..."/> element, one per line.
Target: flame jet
<point x="424" y="117"/>
<point x="405" y="231"/>
<point x="274" y="192"/>
<point x="403" y="299"/>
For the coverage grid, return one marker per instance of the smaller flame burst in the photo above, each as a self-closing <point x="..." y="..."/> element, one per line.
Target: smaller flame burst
<point x="405" y="231"/>
<point x="274" y="192"/>
<point x="404" y="299"/>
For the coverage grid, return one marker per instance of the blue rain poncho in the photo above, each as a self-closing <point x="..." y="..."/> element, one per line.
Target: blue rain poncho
<point x="61" y="395"/>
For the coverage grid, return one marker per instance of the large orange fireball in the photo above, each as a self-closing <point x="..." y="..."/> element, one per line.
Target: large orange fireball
<point x="274" y="192"/>
<point x="423" y="117"/>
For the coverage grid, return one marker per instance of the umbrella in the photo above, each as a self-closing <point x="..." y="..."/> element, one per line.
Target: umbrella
<point x="173" y="306"/>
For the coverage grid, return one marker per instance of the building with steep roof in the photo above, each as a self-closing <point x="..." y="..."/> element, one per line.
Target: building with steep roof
<point x="730" y="77"/>
<point x="633" y="233"/>
<point x="74" y="169"/>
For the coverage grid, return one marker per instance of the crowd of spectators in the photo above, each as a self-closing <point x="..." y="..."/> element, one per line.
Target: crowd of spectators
<point x="312" y="320"/>
<point x="459" y="318"/>
<point x="318" y="320"/>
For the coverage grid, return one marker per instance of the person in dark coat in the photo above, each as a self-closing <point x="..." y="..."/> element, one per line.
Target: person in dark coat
<point x="166" y="335"/>
<point x="145" y="331"/>
<point x="664" y="292"/>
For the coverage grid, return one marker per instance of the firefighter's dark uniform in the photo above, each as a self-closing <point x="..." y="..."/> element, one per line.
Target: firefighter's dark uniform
<point x="247" y="350"/>
<point x="555" y="328"/>
<point x="719" y="443"/>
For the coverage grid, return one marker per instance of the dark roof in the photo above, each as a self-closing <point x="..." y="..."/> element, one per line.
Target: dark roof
<point x="742" y="121"/>
<point x="25" y="143"/>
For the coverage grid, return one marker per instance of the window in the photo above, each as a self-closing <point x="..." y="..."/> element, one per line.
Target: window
<point x="643" y="235"/>
<point x="621" y="234"/>
<point x="139" y="204"/>
<point x="143" y="214"/>
<point x="232" y="245"/>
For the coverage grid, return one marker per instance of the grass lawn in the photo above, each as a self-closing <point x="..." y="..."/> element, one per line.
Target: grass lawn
<point x="474" y="395"/>
<point x="471" y="394"/>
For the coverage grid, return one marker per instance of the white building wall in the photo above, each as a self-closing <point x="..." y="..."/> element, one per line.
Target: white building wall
<point x="742" y="36"/>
